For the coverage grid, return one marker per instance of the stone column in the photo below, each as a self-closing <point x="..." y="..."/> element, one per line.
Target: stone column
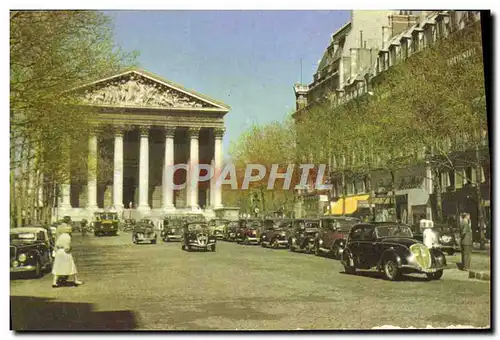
<point x="168" y="192"/>
<point x="92" y="173"/>
<point x="144" y="170"/>
<point x="118" y="171"/>
<point x="217" y="163"/>
<point x="65" y="195"/>
<point x="193" y="173"/>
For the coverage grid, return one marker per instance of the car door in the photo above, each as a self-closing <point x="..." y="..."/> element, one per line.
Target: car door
<point x="368" y="247"/>
<point x="354" y="243"/>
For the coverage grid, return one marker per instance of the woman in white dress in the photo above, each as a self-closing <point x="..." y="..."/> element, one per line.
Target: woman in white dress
<point x="63" y="261"/>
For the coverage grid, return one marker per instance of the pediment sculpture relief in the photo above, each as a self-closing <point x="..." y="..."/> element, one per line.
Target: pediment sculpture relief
<point x="136" y="91"/>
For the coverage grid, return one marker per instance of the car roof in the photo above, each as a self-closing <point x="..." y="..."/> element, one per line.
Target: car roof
<point x="307" y="219"/>
<point x="341" y="218"/>
<point x="27" y="230"/>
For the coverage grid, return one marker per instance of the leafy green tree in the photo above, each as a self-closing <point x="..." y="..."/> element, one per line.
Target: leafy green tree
<point x="52" y="52"/>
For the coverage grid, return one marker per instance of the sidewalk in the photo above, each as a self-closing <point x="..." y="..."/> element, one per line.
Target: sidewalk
<point x="480" y="267"/>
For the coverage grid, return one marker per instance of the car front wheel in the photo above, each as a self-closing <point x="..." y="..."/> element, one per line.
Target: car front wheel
<point x="391" y="270"/>
<point x="435" y="276"/>
<point x="38" y="269"/>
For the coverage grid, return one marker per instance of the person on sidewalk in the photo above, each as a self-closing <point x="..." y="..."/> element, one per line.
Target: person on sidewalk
<point x="64" y="265"/>
<point x="466" y="240"/>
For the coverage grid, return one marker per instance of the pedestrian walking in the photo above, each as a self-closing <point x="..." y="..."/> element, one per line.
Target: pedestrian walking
<point x="64" y="265"/>
<point x="466" y="240"/>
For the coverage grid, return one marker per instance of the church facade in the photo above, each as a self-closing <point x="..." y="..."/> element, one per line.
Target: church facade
<point x="155" y="125"/>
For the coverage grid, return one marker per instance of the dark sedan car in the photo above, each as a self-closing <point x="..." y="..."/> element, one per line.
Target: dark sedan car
<point x="249" y="234"/>
<point x="30" y="250"/>
<point x="144" y="231"/>
<point x="275" y="233"/>
<point x="172" y="230"/>
<point x="197" y="235"/>
<point x="232" y="229"/>
<point x="303" y="234"/>
<point x="332" y="233"/>
<point x="391" y="248"/>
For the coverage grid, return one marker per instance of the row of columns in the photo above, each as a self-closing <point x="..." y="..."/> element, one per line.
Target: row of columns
<point x="167" y="192"/>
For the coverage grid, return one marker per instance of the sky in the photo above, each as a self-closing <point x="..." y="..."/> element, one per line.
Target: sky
<point x="249" y="60"/>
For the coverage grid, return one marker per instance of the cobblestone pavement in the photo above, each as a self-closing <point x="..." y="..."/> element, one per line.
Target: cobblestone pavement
<point x="240" y="287"/>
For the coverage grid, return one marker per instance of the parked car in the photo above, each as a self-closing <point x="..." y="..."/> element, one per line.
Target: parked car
<point x="250" y="233"/>
<point x="196" y="235"/>
<point x="303" y="234"/>
<point x="105" y="223"/>
<point x="232" y="228"/>
<point x="390" y="248"/>
<point x="144" y="231"/>
<point x="31" y="250"/>
<point x="447" y="239"/>
<point x="217" y="227"/>
<point x="331" y="237"/>
<point x="275" y="232"/>
<point x="128" y="224"/>
<point x="172" y="229"/>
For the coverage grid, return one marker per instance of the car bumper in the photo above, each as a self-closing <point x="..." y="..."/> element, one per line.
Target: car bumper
<point x="282" y="242"/>
<point x="22" y="269"/>
<point x="173" y="237"/>
<point x="447" y="247"/>
<point x="202" y="246"/>
<point x="422" y="270"/>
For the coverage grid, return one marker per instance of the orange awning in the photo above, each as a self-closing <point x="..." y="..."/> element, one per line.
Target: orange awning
<point x="350" y="206"/>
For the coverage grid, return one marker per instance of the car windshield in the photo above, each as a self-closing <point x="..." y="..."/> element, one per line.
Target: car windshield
<point x="394" y="231"/>
<point x="149" y="222"/>
<point x="197" y="226"/>
<point x="109" y="216"/>
<point x="21" y="237"/>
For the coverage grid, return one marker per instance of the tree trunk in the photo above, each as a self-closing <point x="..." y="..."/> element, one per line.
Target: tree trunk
<point x="479" y="199"/>
<point x="371" y="192"/>
<point x="439" y="199"/>
<point x="393" y="189"/>
<point x="344" y="192"/>
<point x="13" y="199"/>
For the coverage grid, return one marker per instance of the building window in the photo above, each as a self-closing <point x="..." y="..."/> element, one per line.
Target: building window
<point x="451" y="175"/>
<point x="470" y="175"/>
<point x="445" y="180"/>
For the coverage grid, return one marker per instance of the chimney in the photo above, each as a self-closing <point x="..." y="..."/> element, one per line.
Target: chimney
<point x="354" y="62"/>
<point x="386" y="36"/>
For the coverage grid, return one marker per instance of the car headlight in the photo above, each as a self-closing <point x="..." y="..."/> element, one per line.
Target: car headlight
<point x="320" y="241"/>
<point x="21" y="257"/>
<point x="445" y="238"/>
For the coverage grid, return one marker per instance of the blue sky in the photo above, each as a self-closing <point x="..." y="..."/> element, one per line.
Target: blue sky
<point x="249" y="60"/>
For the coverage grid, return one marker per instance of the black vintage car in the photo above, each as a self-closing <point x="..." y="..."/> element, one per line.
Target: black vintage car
<point x="447" y="239"/>
<point x="105" y="223"/>
<point x="172" y="229"/>
<point x="31" y="250"/>
<point x="144" y="231"/>
<point x="232" y="229"/>
<point x="275" y="233"/>
<point x="302" y="235"/>
<point x="217" y="227"/>
<point x="390" y="248"/>
<point x="196" y="235"/>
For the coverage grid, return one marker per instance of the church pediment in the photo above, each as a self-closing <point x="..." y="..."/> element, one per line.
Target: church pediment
<point x="141" y="90"/>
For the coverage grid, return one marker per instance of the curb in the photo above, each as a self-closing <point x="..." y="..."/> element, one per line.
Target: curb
<point x="485" y="276"/>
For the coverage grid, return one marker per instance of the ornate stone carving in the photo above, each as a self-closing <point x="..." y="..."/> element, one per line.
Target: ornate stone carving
<point x="134" y="90"/>
<point x="219" y="132"/>
<point x="144" y="130"/>
<point x="118" y="130"/>
<point x="194" y="132"/>
<point x="169" y="131"/>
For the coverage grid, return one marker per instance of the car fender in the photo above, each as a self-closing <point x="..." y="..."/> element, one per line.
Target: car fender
<point x="438" y="253"/>
<point x="390" y="254"/>
<point x="341" y="243"/>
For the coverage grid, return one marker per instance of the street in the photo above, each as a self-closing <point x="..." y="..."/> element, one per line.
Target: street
<point x="161" y="287"/>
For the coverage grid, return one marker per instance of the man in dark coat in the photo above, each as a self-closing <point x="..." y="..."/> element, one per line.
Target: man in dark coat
<point x="466" y="240"/>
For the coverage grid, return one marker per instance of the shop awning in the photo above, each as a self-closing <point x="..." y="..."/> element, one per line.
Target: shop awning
<point x="351" y="205"/>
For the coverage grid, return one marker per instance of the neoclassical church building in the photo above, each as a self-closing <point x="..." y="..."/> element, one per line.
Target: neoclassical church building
<point x="155" y="124"/>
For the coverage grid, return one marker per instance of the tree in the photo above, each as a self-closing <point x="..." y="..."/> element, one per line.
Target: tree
<point x="52" y="52"/>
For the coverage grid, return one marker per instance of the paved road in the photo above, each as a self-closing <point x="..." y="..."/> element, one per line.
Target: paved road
<point x="238" y="287"/>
